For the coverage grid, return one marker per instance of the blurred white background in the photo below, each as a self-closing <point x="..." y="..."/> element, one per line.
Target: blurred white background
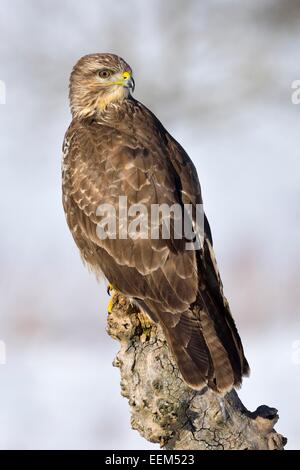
<point x="218" y="73"/>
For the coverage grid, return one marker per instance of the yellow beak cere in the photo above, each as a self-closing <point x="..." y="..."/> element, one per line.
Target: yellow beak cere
<point x="126" y="75"/>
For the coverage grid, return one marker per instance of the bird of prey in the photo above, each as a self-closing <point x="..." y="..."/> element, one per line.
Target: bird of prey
<point x="115" y="147"/>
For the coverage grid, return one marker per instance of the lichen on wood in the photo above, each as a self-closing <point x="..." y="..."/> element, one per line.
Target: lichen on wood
<point x="165" y="410"/>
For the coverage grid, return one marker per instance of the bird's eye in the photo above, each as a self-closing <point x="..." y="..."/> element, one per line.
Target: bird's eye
<point x="104" y="73"/>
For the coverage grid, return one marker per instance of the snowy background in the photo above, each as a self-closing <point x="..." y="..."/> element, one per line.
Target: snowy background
<point x="218" y="74"/>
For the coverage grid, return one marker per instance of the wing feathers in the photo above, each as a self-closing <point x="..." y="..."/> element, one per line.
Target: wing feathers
<point x="134" y="156"/>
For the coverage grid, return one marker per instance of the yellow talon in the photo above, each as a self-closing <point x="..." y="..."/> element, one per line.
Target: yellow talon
<point x="110" y="288"/>
<point x="110" y="305"/>
<point x="144" y="321"/>
<point x="146" y="325"/>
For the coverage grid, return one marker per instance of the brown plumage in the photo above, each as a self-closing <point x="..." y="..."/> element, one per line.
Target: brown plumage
<point x="116" y="147"/>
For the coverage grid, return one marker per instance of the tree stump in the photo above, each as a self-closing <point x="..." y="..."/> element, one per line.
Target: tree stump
<point x="165" y="410"/>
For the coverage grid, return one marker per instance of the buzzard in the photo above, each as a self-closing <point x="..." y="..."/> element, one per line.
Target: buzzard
<point x="115" y="147"/>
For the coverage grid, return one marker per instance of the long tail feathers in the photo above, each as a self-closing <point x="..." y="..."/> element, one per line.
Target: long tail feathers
<point x="203" y="356"/>
<point x="204" y="340"/>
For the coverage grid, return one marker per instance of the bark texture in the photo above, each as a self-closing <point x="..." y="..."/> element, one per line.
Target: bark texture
<point x="164" y="409"/>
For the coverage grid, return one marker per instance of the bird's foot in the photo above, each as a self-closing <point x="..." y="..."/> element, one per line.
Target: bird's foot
<point x="110" y="305"/>
<point x="146" y="326"/>
<point x="110" y="291"/>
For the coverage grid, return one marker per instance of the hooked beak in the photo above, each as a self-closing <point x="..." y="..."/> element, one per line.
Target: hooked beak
<point x="129" y="81"/>
<point x="131" y="84"/>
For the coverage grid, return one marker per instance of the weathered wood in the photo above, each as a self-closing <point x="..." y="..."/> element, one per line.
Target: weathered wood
<point x="165" y="410"/>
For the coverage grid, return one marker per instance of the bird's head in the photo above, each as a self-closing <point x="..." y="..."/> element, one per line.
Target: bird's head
<point x="98" y="80"/>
